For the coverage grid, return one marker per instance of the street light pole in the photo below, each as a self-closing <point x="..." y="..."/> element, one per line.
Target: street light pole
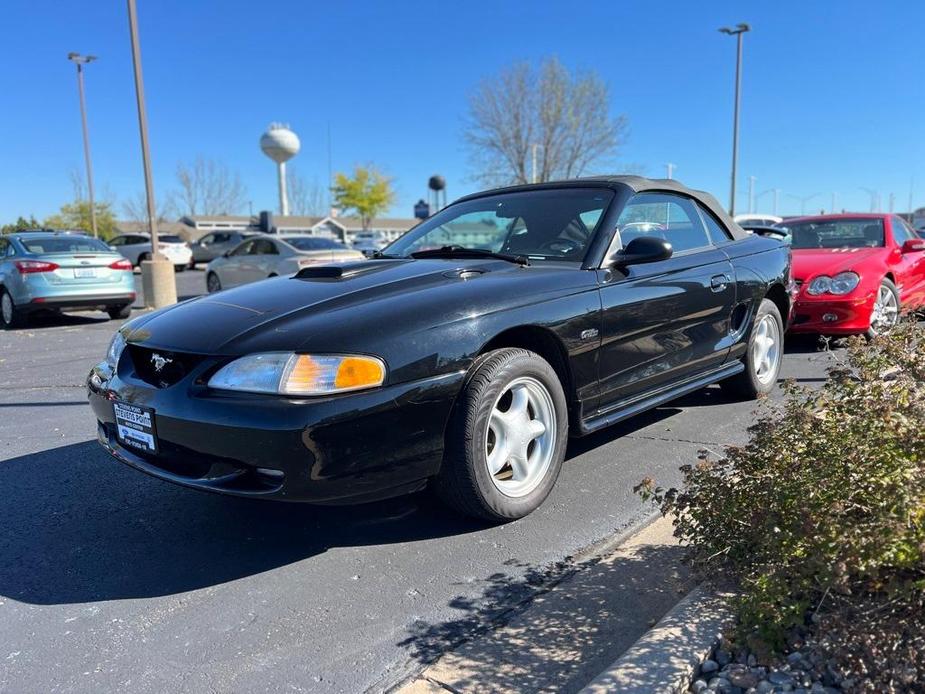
<point x="751" y="194"/>
<point x="80" y="61"/>
<point x="160" y="289"/>
<point x="737" y="32"/>
<point x="669" y="168"/>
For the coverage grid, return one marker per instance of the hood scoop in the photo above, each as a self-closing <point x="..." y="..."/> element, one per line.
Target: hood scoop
<point x="465" y="274"/>
<point x="345" y="270"/>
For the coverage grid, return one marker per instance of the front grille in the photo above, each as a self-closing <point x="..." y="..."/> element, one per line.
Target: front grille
<point x="161" y="368"/>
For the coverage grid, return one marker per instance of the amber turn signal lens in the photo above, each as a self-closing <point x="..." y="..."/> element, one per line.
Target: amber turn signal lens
<point x="359" y="372"/>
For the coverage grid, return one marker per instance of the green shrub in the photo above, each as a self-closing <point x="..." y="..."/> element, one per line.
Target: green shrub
<point x="826" y="501"/>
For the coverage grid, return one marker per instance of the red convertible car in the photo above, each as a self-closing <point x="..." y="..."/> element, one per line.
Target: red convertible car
<point x="855" y="272"/>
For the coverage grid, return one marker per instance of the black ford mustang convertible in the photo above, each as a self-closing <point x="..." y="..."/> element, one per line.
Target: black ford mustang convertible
<point x="461" y="357"/>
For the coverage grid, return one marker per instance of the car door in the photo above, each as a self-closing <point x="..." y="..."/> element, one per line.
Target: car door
<point x="909" y="267"/>
<point x="264" y="257"/>
<point x="665" y="321"/>
<point x="204" y="249"/>
<point x="230" y="269"/>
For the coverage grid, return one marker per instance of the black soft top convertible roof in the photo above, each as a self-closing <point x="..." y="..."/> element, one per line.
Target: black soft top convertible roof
<point x="638" y="184"/>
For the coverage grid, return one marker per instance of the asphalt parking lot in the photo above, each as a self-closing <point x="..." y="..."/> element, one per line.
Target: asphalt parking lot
<point x="113" y="580"/>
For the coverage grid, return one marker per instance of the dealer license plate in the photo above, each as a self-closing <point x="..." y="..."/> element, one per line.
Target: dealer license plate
<point x="135" y="426"/>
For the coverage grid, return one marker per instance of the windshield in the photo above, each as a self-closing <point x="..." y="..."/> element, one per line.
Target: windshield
<point x="837" y="233"/>
<point x="555" y="224"/>
<point x="64" y="244"/>
<point x="315" y="244"/>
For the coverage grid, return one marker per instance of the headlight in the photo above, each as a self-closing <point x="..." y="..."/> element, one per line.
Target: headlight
<point x="844" y="282"/>
<point x="116" y="345"/>
<point x="300" y="374"/>
<point x="820" y="285"/>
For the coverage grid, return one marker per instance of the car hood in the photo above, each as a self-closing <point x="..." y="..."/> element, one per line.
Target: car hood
<point x="809" y="262"/>
<point x="286" y="313"/>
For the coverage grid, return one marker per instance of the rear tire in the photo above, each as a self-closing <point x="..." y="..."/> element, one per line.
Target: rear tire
<point x="119" y="312"/>
<point x="213" y="283"/>
<point x="506" y="439"/>
<point x="763" y="357"/>
<point x="179" y="268"/>
<point x="143" y="257"/>
<point x="10" y="316"/>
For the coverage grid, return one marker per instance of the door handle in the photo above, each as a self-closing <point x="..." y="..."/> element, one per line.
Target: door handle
<point x="718" y="282"/>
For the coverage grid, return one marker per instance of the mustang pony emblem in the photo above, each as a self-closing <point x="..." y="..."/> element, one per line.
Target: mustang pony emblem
<point x="160" y="362"/>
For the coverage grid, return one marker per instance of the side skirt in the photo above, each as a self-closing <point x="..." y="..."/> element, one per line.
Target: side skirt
<point x="639" y="404"/>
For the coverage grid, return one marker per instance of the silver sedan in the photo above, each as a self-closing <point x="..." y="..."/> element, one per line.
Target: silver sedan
<point x="264" y="256"/>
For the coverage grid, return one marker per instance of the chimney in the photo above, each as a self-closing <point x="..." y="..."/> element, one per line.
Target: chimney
<point x="266" y="222"/>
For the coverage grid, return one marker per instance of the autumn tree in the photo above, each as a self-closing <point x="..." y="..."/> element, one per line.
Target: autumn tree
<point x="367" y="192"/>
<point x="559" y="117"/>
<point x="76" y="215"/>
<point x="209" y="187"/>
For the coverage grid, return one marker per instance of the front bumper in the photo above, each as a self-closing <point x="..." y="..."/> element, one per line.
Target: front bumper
<point x="828" y="315"/>
<point x="342" y="449"/>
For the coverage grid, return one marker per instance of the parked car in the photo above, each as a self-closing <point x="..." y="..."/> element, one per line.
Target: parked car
<point x="855" y="272"/>
<point x="766" y="220"/>
<point x="216" y="244"/>
<point x="42" y="270"/>
<point x="137" y="247"/>
<point x="263" y="256"/>
<point x="369" y="242"/>
<point x="438" y="363"/>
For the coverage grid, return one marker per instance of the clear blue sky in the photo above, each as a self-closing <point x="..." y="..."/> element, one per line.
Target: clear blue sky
<point x="833" y="91"/>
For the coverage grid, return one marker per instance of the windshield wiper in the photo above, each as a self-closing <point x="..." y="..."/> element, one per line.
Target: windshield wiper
<point x="456" y="251"/>
<point x="380" y="254"/>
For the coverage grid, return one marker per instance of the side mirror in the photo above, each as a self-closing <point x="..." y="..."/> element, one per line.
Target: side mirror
<point x="913" y="245"/>
<point x="113" y="248"/>
<point x="226" y="254"/>
<point x="642" y="249"/>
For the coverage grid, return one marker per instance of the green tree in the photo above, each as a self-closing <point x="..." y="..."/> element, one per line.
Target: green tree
<point x="76" y="215"/>
<point x="367" y="192"/>
<point x="21" y="224"/>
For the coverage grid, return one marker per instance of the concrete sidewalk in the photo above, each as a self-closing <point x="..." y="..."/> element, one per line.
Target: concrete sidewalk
<point x="569" y="635"/>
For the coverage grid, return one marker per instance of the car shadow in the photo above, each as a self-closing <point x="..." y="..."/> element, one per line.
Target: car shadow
<point x="54" y="319"/>
<point x="79" y="527"/>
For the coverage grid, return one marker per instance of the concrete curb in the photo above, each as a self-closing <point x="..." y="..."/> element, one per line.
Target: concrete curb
<point x="663" y="660"/>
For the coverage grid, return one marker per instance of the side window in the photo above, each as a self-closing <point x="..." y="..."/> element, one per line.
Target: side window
<point x="668" y="216"/>
<point x="264" y="247"/>
<point x="716" y="231"/>
<point x="901" y="232"/>
<point x="4" y="248"/>
<point x="244" y="248"/>
<point x="207" y="239"/>
<point x="220" y="238"/>
<point x="118" y="241"/>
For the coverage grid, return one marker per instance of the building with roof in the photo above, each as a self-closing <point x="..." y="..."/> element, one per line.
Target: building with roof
<point x="344" y="229"/>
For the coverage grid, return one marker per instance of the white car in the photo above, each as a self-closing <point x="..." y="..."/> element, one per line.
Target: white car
<point x="264" y="256"/>
<point x="137" y="247"/>
<point x="766" y="220"/>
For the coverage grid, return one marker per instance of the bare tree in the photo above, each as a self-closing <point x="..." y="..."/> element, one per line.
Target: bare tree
<point x="208" y="187"/>
<point x="561" y="119"/>
<point x="306" y="198"/>
<point x="135" y="207"/>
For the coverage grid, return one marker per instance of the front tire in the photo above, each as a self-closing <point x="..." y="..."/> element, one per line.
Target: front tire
<point x="10" y="316"/>
<point x="213" y="283"/>
<point x="119" y="312"/>
<point x="507" y="436"/>
<point x="885" y="313"/>
<point x="762" y="358"/>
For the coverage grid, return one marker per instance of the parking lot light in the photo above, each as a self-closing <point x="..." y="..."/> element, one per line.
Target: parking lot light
<point x="737" y="32"/>
<point x="157" y="274"/>
<point x="80" y="61"/>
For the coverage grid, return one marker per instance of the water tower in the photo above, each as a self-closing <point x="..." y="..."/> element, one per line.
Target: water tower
<point x="437" y="186"/>
<point x="280" y="144"/>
